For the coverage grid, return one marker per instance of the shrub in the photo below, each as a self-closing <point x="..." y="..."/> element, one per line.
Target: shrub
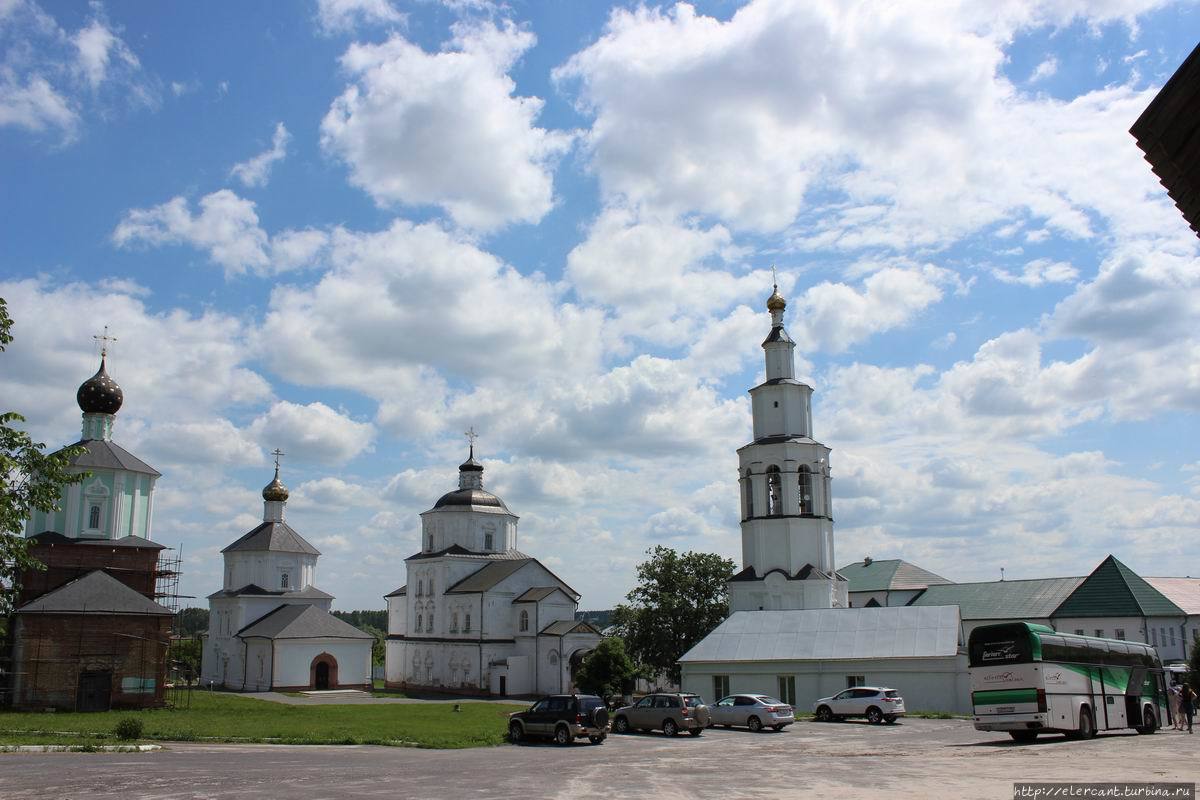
<point x="128" y="728"/>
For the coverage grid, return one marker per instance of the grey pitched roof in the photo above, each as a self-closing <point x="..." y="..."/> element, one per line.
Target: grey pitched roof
<point x="888" y="575"/>
<point x="254" y="590"/>
<point x="1028" y="599"/>
<point x="95" y="593"/>
<point x="301" y="622"/>
<point x="831" y="634"/>
<point x="460" y="551"/>
<point x="100" y="454"/>
<point x="403" y="590"/>
<point x="276" y="536"/>
<point x="56" y="538"/>
<point x="487" y="577"/>
<point x="565" y="626"/>
<point x="536" y="594"/>
<point x="1183" y="592"/>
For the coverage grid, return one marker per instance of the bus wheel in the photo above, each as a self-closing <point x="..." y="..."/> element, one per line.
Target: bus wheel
<point x="1149" y="722"/>
<point x="1023" y="736"/>
<point x="1086" y="728"/>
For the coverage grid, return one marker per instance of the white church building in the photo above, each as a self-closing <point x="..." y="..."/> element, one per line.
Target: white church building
<point x="476" y="614"/>
<point x="791" y="631"/>
<point x="269" y="626"/>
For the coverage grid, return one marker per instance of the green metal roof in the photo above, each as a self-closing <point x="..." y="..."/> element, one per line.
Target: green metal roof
<point x="1114" y="590"/>
<point x="889" y="575"/>
<point x="1031" y="599"/>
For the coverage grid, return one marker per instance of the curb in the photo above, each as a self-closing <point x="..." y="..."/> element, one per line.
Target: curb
<point x="77" y="748"/>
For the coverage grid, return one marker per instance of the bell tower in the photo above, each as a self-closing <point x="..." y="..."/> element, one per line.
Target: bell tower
<point x="783" y="474"/>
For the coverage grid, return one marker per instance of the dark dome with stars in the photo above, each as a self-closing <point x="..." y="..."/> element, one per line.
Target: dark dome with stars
<point x="100" y="394"/>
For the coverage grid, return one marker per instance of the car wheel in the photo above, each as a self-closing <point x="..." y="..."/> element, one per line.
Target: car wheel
<point x="1023" y="736"/>
<point x="562" y="735"/>
<point x="824" y="714"/>
<point x="874" y="715"/>
<point x="696" y="731"/>
<point x="777" y="727"/>
<point x="670" y="728"/>
<point x="621" y="725"/>
<point x="516" y="733"/>
<point x="1149" y="722"/>
<point x="755" y="724"/>
<point x="890" y="719"/>
<point x="595" y="739"/>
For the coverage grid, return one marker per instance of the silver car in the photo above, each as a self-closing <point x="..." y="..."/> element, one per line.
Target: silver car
<point x="755" y="711"/>
<point x="876" y="703"/>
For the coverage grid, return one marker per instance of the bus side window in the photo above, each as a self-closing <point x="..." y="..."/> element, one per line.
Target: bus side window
<point x="1053" y="649"/>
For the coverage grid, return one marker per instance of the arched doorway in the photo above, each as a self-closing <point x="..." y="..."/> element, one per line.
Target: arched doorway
<point x="323" y="672"/>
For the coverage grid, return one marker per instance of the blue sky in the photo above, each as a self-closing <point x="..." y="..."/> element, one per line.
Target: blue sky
<point x="351" y="229"/>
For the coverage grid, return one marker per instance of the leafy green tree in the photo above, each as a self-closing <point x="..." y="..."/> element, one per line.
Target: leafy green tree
<point x="1194" y="664"/>
<point x="31" y="480"/>
<point x="608" y="670"/>
<point x="678" y="600"/>
<point x="190" y="621"/>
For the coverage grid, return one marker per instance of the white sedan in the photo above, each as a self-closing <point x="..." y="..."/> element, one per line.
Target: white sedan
<point x="878" y="704"/>
<point x="755" y="711"/>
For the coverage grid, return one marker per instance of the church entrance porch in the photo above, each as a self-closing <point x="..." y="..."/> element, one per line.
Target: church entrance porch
<point x="323" y="672"/>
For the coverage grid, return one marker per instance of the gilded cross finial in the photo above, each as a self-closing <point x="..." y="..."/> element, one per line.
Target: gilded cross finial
<point x="774" y="278"/>
<point x="278" y="454"/>
<point x="104" y="339"/>
<point x="471" y="437"/>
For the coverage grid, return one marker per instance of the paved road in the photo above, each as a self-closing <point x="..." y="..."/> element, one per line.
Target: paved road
<point x="918" y="758"/>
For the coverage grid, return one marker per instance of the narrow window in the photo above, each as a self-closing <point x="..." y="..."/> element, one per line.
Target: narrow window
<point x="806" y="489"/>
<point x="524" y="620"/>
<point x="430" y="542"/>
<point x="1153" y="637"/>
<point x="284" y="579"/>
<point x="1172" y="630"/>
<point x="787" y="688"/>
<point x="467" y="624"/>
<point x="487" y="541"/>
<point x="855" y="680"/>
<point x="828" y="497"/>
<point x="749" y="496"/>
<point x="774" y="492"/>
<point x="454" y="622"/>
<point x="1120" y="633"/>
<point x="431" y="587"/>
<point x="1079" y="631"/>
<point x="429" y="622"/>
<point x="418" y="622"/>
<point x="720" y="687"/>
<point x="94" y="518"/>
<point x="1099" y="633"/>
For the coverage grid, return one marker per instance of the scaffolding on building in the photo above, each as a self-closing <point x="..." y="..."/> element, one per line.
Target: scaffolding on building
<point x="181" y="668"/>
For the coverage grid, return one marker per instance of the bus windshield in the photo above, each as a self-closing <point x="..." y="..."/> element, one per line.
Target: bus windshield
<point x="993" y="645"/>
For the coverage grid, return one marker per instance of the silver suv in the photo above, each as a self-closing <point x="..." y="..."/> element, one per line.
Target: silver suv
<point x="878" y="704"/>
<point x="669" y="713"/>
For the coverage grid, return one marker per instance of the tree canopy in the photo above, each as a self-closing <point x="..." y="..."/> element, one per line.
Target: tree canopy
<point x="608" y="670"/>
<point x="32" y="480"/>
<point x="678" y="600"/>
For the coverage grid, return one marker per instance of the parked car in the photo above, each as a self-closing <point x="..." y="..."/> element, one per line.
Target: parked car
<point x="755" y="711"/>
<point x="565" y="717"/>
<point x="878" y="704"/>
<point x="669" y="713"/>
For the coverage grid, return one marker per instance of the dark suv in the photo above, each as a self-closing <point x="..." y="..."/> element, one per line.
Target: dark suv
<point x="566" y="717"/>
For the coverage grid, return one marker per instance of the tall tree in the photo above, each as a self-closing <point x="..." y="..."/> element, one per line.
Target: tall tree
<point x="31" y="480"/>
<point x="678" y="600"/>
<point x="608" y="670"/>
<point x="1194" y="662"/>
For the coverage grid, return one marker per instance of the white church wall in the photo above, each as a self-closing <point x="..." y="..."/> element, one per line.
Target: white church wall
<point x="397" y="615"/>
<point x="927" y="684"/>
<point x="293" y="661"/>
<point x="266" y="569"/>
<point x="393" y="662"/>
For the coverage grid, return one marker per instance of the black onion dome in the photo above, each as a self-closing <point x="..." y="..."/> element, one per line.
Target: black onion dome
<point x="100" y="394"/>
<point x="275" y="490"/>
<point x="470" y="497"/>
<point x="470" y="465"/>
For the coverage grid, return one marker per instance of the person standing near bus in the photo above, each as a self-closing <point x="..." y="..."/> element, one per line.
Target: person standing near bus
<point x="1188" y="700"/>
<point x="1176" y="700"/>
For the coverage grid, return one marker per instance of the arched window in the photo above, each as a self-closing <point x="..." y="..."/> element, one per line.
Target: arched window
<point x="430" y="542"/>
<point x="94" y="518"/>
<point x="828" y="496"/>
<point x="774" y="492"/>
<point x="454" y="622"/>
<point x="284" y="579"/>
<point x="805" y="495"/>
<point x="749" y="495"/>
<point x="524" y="620"/>
<point x="429" y="623"/>
<point x="467" y="624"/>
<point x="420" y="588"/>
<point x="418" y="622"/>
<point x="431" y="587"/>
<point x="488" y="542"/>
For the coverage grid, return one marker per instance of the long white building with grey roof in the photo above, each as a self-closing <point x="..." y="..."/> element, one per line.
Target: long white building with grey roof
<point x="476" y="614"/>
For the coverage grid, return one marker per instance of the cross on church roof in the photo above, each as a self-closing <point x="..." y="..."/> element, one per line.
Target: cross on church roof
<point x="104" y="339"/>
<point x="471" y="437"/>
<point x="277" y="453"/>
<point x="774" y="277"/>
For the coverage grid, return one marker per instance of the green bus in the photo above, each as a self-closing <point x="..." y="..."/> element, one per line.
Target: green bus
<point x="1028" y="679"/>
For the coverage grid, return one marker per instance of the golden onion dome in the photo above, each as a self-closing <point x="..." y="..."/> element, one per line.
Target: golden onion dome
<point x="275" y="490"/>
<point x="776" y="302"/>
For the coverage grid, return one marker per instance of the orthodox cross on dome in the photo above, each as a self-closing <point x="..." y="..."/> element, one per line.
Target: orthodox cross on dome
<point x="104" y="339"/>
<point x="774" y="278"/>
<point x="278" y="454"/>
<point x="471" y="437"/>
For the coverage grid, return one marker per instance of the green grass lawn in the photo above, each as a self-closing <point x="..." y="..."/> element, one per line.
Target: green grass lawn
<point x="228" y="718"/>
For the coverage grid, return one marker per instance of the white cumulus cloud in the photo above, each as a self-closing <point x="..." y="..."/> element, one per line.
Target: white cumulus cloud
<point x="256" y="171"/>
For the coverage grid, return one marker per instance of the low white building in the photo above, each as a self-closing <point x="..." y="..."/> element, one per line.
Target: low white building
<point x="478" y="615"/>
<point x="269" y="627"/>
<point x="804" y="655"/>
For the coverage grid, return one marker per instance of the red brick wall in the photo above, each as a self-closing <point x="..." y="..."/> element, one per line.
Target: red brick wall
<point x="133" y="566"/>
<point x="50" y="651"/>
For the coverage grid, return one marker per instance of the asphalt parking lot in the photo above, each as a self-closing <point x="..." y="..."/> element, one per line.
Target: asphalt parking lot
<point x="915" y="758"/>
